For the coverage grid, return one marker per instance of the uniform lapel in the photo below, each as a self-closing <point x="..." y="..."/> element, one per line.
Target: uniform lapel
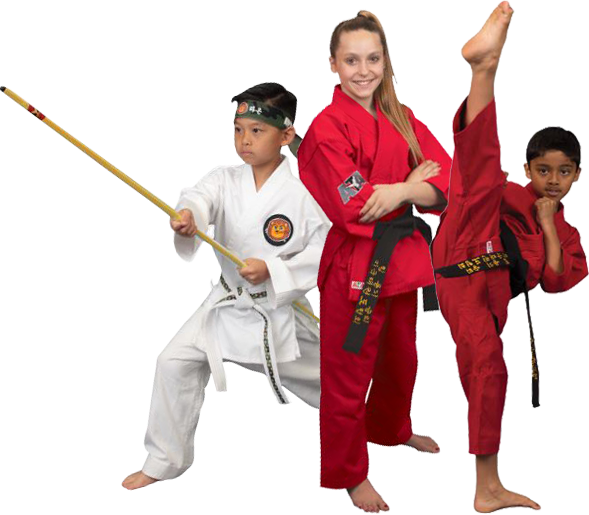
<point x="380" y="171"/>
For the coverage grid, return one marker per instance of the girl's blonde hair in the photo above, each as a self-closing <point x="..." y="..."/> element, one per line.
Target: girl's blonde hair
<point x="385" y="94"/>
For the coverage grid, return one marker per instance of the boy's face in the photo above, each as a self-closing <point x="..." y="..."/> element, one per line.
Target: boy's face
<point x="359" y="62"/>
<point x="552" y="174"/>
<point x="258" y="143"/>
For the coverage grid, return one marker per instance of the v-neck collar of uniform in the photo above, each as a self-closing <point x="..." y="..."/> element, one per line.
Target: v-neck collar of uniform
<point x="277" y="176"/>
<point x="354" y="110"/>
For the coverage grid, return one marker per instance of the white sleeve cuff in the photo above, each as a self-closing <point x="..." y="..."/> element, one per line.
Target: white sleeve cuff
<point x="187" y="246"/>
<point x="280" y="283"/>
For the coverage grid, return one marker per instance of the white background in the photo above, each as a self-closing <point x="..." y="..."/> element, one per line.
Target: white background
<point x="541" y="82"/>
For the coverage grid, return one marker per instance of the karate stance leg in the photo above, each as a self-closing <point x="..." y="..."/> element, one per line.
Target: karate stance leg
<point x="301" y="377"/>
<point x="181" y="375"/>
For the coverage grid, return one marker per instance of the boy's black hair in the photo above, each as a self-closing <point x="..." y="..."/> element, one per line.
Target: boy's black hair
<point x="272" y="94"/>
<point x="554" y="138"/>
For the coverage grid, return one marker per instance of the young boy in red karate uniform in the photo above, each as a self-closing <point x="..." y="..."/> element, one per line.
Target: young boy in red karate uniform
<point x="473" y="251"/>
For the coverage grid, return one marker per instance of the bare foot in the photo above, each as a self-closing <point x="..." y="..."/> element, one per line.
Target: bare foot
<point x="138" y="480"/>
<point x="496" y="498"/>
<point x="365" y="497"/>
<point x="423" y="444"/>
<point x="483" y="51"/>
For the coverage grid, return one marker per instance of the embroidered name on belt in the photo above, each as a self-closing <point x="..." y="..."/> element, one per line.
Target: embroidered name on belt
<point x="278" y="230"/>
<point x="476" y="264"/>
<point x="351" y="187"/>
<point x="387" y="234"/>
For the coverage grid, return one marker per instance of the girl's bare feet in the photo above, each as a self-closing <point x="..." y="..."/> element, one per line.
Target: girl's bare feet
<point x="497" y="497"/>
<point x="365" y="497"/>
<point x="483" y="50"/>
<point x="423" y="444"/>
<point x="138" y="480"/>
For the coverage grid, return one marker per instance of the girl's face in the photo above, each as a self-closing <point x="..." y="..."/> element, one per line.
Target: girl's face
<point x="359" y="62"/>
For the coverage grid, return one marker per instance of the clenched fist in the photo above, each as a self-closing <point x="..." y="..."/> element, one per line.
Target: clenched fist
<point x="545" y="210"/>
<point x="186" y="226"/>
<point x="255" y="271"/>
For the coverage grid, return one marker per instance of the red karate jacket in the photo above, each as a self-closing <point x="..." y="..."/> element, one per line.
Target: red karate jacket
<point x="519" y="212"/>
<point x="344" y="153"/>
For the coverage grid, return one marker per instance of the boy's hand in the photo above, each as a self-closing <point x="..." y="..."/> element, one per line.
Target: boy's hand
<point x="186" y="226"/>
<point x="255" y="271"/>
<point x="545" y="210"/>
<point x="424" y="171"/>
<point x="386" y="198"/>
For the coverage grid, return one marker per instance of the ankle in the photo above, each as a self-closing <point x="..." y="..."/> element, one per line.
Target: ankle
<point x="485" y="70"/>
<point x="492" y="486"/>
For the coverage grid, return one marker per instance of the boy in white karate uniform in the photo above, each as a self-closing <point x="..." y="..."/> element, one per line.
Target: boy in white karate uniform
<point x="258" y="209"/>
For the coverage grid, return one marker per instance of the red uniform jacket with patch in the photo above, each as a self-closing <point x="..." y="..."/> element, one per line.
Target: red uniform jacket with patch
<point x="344" y="153"/>
<point x="519" y="212"/>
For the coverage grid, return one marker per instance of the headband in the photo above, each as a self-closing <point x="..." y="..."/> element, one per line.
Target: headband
<point x="266" y="113"/>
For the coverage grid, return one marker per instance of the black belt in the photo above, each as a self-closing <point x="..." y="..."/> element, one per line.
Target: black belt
<point x="388" y="234"/>
<point x="518" y="271"/>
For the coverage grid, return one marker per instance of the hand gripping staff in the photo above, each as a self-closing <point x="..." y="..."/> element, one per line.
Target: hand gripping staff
<point x="137" y="187"/>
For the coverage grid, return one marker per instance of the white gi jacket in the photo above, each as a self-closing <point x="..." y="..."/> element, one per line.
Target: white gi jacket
<point x="280" y="224"/>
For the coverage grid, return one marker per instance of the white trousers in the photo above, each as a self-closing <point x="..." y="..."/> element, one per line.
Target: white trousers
<point x="182" y="372"/>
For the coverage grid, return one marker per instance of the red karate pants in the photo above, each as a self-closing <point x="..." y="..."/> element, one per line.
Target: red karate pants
<point x="388" y="357"/>
<point x="475" y="306"/>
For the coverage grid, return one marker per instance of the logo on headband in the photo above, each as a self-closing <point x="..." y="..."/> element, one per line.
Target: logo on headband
<point x="242" y="108"/>
<point x="278" y="230"/>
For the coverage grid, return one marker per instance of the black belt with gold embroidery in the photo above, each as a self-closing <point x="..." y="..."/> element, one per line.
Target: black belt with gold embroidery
<point x="518" y="271"/>
<point x="473" y="265"/>
<point x="388" y="234"/>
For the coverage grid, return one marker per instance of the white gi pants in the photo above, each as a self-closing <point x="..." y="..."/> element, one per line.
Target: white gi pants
<point x="181" y="375"/>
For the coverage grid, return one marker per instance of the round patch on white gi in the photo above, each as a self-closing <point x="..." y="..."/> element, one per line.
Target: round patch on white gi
<point x="278" y="230"/>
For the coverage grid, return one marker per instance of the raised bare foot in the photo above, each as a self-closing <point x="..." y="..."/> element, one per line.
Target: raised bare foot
<point x="484" y="49"/>
<point x="365" y="497"/>
<point x="496" y="498"/>
<point x="138" y="480"/>
<point x="423" y="444"/>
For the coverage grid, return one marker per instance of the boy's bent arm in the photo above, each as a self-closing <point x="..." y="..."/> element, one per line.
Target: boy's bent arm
<point x="574" y="264"/>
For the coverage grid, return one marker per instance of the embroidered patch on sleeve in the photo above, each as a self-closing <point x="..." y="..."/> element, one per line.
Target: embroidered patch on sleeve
<point x="351" y="187"/>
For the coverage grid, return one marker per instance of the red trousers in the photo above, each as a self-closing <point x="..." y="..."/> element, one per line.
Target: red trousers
<point x="475" y="306"/>
<point x="388" y="357"/>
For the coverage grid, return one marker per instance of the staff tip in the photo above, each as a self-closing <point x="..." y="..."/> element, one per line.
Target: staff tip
<point x="2" y="88"/>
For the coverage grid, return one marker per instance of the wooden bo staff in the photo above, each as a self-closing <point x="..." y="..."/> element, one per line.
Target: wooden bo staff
<point x="136" y="186"/>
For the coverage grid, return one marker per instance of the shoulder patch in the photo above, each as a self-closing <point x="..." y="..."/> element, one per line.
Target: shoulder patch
<point x="278" y="230"/>
<point x="351" y="187"/>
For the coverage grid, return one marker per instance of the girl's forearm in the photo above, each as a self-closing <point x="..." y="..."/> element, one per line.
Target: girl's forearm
<point x="423" y="194"/>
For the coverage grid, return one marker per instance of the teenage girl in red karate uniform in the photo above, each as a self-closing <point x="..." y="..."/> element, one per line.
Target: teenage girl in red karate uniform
<point x="366" y="159"/>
